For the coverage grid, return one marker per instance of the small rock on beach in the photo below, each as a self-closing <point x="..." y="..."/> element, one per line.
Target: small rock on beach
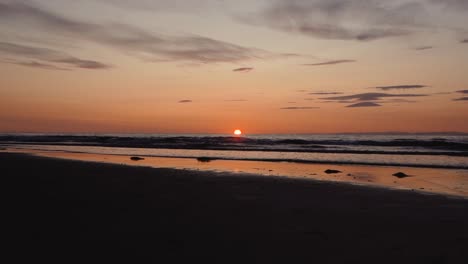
<point x="204" y="159"/>
<point x="401" y="175"/>
<point x="332" y="171"/>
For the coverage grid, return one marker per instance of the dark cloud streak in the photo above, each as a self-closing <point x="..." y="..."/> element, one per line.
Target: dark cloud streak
<point x="424" y="48"/>
<point x="47" y="55"/>
<point x="333" y="62"/>
<point x="401" y="87"/>
<point x="243" y="69"/>
<point x="370" y="96"/>
<point x="364" y="104"/>
<point x="35" y="64"/>
<point x="84" y="64"/>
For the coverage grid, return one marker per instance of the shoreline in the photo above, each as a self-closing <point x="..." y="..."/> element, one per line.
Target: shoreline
<point x="450" y="182"/>
<point x="76" y="211"/>
<point x="299" y="161"/>
<point x="316" y="151"/>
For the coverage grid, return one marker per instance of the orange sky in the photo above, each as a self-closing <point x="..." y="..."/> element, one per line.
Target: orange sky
<point x="270" y="67"/>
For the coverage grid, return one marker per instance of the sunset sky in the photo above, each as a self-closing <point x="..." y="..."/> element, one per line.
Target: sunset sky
<point x="207" y="66"/>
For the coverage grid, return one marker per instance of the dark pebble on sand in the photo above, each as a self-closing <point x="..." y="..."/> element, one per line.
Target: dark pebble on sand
<point x="400" y="175"/>
<point x="136" y="158"/>
<point x="332" y="171"/>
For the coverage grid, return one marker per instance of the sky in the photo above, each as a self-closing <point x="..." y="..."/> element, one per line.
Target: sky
<point x="213" y="66"/>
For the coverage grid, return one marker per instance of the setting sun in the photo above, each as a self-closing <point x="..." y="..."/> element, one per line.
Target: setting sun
<point x="237" y="132"/>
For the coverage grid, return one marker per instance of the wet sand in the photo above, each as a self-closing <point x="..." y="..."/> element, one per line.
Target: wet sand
<point x="74" y="211"/>
<point x="443" y="181"/>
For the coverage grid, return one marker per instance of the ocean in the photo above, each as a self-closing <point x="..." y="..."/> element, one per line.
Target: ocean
<point x="409" y="150"/>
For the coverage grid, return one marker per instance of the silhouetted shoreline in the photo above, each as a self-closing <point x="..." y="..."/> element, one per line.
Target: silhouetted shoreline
<point x="72" y="211"/>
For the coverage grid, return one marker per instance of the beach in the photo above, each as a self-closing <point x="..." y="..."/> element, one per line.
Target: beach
<point x="75" y="211"/>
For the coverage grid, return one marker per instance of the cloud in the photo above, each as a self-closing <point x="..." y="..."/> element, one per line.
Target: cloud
<point x="461" y="99"/>
<point x="457" y="5"/>
<point x="129" y="39"/>
<point x="359" y="20"/>
<point x="380" y="101"/>
<point x="243" y="69"/>
<point x="401" y="87"/>
<point x="85" y="64"/>
<point x="423" y="48"/>
<point x="46" y="55"/>
<point x="333" y="62"/>
<point x="293" y="55"/>
<point x="463" y="91"/>
<point x="364" y="104"/>
<point x="464" y="41"/>
<point x="34" y="64"/>
<point x="340" y="101"/>
<point x="185" y="101"/>
<point x="299" y="108"/>
<point x="177" y="6"/>
<point x="398" y="100"/>
<point x="370" y="96"/>
<point x="325" y="93"/>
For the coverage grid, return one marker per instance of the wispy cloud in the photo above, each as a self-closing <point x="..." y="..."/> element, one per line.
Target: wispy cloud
<point x="401" y="87"/>
<point x="457" y="5"/>
<point x="46" y="55"/>
<point x="34" y="64"/>
<point x="161" y="6"/>
<point x="299" y="108"/>
<point x="128" y="39"/>
<point x="370" y="96"/>
<point x="85" y="64"/>
<point x="423" y="48"/>
<point x="463" y="91"/>
<point x="464" y="41"/>
<point x="364" y="104"/>
<point x="361" y="20"/>
<point x="185" y="101"/>
<point x="461" y="99"/>
<point x="398" y="100"/>
<point x="333" y="62"/>
<point x="243" y="69"/>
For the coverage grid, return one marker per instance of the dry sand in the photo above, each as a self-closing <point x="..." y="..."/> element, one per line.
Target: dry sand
<point x="73" y="211"/>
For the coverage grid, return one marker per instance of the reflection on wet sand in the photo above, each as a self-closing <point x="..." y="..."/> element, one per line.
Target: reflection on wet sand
<point x="443" y="181"/>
